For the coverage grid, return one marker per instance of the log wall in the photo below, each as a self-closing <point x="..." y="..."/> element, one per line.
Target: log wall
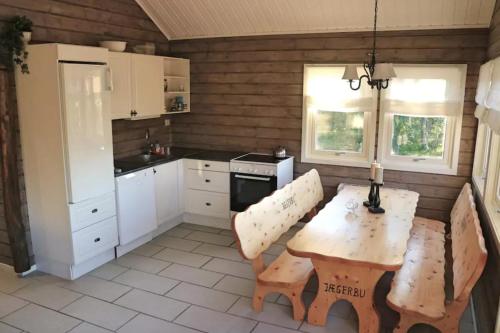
<point x="246" y="94"/>
<point x="86" y="22"/>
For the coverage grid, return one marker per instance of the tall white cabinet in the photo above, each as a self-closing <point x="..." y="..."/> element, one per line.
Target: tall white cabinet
<point x="64" y="113"/>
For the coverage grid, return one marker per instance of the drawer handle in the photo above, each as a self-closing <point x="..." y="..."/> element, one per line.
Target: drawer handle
<point x="97" y="240"/>
<point x="94" y="210"/>
<point x="207" y="180"/>
<point x="208" y="204"/>
<point x="207" y="165"/>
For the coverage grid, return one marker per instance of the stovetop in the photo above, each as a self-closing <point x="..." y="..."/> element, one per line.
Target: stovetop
<point x="260" y="158"/>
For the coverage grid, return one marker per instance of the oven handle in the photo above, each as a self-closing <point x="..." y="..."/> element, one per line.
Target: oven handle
<point x="265" y="179"/>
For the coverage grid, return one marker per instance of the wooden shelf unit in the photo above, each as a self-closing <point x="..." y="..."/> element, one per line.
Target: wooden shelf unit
<point x="176" y="73"/>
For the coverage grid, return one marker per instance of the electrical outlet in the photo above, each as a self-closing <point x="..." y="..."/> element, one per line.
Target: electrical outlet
<point x="167" y="122"/>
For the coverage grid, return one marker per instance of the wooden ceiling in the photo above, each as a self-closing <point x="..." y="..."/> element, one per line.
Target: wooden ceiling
<point x="186" y="19"/>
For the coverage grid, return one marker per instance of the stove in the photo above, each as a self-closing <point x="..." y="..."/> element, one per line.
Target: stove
<point x="255" y="176"/>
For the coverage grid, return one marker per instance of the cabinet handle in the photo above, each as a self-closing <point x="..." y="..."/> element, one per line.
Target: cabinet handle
<point x="97" y="240"/>
<point x="95" y="210"/>
<point x="208" y="204"/>
<point x="207" y="165"/>
<point x="207" y="180"/>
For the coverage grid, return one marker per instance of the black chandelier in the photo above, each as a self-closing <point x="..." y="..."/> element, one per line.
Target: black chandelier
<point x="377" y="75"/>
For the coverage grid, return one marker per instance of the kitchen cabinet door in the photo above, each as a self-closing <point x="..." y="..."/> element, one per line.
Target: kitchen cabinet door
<point x="121" y="98"/>
<point x="167" y="193"/>
<point x="147" y="85"/>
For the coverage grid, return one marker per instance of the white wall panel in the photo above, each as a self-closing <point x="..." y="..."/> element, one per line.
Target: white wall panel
<point x="185" y="19"/>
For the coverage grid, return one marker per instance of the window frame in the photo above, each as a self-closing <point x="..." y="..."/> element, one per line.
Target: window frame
<point x="481" y="157"/>
<point x="492" y="195"/>
<point x="446" y="166"/>
<point x="309" y="154"/>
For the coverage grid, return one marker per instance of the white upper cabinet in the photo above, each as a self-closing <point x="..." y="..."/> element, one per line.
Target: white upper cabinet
<point x="121" y="97"/>
<point x="147" y="85"/>
<point x="137" y="86"/>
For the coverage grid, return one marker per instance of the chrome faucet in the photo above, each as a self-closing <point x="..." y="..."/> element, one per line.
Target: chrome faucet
<point x="147" y="148"/>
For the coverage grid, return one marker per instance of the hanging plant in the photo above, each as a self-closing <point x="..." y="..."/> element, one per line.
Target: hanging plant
<point x="16" y="33"/>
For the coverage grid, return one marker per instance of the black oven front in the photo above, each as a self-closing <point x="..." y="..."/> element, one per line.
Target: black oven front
<point x="247" y="189"/>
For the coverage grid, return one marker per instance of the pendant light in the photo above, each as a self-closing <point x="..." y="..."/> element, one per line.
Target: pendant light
<point x="377" y="75"/>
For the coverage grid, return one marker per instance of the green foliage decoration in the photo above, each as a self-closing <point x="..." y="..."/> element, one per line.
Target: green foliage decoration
<point x="12" y="46"/>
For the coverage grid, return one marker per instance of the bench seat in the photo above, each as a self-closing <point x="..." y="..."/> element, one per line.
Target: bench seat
<point x="287" y="270"/>
<point x="419" y="286"/>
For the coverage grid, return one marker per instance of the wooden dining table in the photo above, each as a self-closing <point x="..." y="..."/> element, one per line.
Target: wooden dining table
<point x="351" y="249"/>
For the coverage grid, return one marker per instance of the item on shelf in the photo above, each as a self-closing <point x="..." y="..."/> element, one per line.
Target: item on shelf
<point x="179" y="103"/>
<point x="146" y="48"/>
<point x="157" y="148"/>
<point x="113" y="45"/>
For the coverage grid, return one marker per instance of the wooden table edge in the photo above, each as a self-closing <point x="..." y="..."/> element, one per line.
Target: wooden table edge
<point x="316" y="256"/>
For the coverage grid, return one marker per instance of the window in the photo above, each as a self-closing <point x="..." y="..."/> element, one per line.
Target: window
<point x="492" y="192"/>
<point x="481" y="156"/>
<point x="421" y="118"/>
<point x="338" y="123"/>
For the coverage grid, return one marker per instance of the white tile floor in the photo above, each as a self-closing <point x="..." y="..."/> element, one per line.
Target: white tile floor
<point x="191" y="279"/>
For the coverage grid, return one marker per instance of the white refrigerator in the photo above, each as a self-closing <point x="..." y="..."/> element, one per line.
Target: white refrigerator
<point x="87" y="129"/>
<point x="66" y="141"/>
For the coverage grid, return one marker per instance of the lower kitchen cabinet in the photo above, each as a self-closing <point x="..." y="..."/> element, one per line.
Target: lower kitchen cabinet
<point x="167" y="196"/>
<point x="206" y="189"/>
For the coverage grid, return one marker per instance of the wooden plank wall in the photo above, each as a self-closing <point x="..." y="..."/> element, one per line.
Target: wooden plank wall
<point x="247" y="95"/>
<point x="494" y="45"/>
<point x="86" y="22"/>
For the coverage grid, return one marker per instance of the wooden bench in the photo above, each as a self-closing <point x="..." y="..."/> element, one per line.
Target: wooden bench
<point x="418" y="288"/>
<point x="257" y="228"/>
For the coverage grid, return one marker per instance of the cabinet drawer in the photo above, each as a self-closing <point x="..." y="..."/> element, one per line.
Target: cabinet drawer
<point x="91" y="211"/>
<point x="207" y="203"/>
<point x="208" y="180"/>
<point x="207" y="165"/>
<point x="95" y="239"/>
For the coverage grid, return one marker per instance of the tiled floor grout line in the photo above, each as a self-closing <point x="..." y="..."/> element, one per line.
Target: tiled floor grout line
<point x="80" y="323"/>
<point x="128" y="321"/>
<point x="8" y="314"/>
<point x="225" y="265"/>
<point x="82" y="320"/>
<point x="9" y="325"/>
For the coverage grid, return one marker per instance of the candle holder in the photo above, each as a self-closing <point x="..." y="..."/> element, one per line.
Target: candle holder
<point x="371" y="195"/>
<point x="375" y="206"/>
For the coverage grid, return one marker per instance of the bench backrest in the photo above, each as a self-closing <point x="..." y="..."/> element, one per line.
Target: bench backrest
<point x="468" y="248"/>
<point x="263" y="223"/>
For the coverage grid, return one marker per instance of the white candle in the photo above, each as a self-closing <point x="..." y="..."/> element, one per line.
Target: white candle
<point x="374" y="165"/>
<point x="379" y="175"/>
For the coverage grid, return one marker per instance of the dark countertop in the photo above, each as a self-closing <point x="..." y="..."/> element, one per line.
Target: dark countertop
<point x="135" y="163"/>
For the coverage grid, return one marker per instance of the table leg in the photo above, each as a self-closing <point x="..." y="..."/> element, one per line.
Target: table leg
<point x="341" y="281"/>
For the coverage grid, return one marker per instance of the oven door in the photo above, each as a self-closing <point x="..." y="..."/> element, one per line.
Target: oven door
<point x="247" y="189"/>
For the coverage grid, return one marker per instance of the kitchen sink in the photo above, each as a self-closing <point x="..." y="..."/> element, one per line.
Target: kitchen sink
<point x="149" y="158"/>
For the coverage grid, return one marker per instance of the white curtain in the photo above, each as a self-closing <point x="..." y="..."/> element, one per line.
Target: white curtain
<point x="426" y="90"/>
<point x="488" y="95"/>
<point x="325" y="90"/>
